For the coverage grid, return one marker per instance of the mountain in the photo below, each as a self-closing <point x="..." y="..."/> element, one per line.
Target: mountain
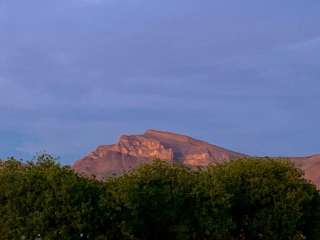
<point x="131" y="151"/>
<point x="310" y="166"/>
<point x="134" y="150"/>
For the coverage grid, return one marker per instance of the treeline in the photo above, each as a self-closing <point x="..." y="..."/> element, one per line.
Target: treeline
<point x="246" y="199"/>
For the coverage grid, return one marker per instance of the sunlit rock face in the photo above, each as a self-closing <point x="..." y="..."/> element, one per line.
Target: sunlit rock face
<point x="132" y="151"/>
<point x="190" y="151"/>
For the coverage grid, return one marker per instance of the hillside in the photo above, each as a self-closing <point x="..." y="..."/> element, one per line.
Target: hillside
<point x="133" y="150"/>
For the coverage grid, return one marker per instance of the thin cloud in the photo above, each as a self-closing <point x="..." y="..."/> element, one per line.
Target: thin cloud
<point x="77" y="78"/>
<point x="93" y="1"/>
<point x="310" y="43"/>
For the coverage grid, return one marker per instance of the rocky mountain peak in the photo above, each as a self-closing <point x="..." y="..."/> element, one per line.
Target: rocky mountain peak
<point x="132" y="150"/>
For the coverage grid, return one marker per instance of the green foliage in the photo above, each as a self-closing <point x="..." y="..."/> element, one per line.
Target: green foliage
<point x="244" y="199"/>
<point x="270" y="199"/>
<point x="212" y="208"/>
<point x="157" y="198"/>
<point x="41" y="197"/>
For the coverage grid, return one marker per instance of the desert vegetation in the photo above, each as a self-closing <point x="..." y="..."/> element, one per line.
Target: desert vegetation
<point x="245" y="199"/>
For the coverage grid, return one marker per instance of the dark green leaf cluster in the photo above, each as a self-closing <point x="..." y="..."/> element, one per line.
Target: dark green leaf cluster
<point x="43" y="199"/>
<point x="245" y="199"/>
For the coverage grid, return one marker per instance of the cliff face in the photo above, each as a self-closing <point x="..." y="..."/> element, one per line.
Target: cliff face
<point x="132" y="151"/>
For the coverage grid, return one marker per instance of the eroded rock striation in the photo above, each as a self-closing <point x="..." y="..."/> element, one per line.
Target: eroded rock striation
<point x="131" y="151"/>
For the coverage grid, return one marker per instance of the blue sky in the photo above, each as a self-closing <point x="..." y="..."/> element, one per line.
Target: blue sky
<point x="78" y="73"/>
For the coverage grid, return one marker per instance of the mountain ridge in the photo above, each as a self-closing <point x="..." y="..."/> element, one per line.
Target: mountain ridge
<point x="131" y="151"/>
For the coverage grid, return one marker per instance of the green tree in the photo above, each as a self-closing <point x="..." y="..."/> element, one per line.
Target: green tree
<point x="246" y="199"/>
<point x="163" y="200"/>
<point x="156" y="198"/>
<point x="211" y="214"/>
<point x="270" y="199"/>
<point x="42" y="197"/>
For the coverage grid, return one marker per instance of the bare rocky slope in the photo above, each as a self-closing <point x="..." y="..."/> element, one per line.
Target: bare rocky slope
<point x="131" y="151"/>
<point x="310" y="166"/>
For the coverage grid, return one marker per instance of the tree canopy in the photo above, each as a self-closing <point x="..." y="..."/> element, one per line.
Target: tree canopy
<point x="248" y="199"/>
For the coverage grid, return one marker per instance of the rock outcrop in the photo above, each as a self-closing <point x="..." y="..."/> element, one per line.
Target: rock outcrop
<point x="132" y="151"/>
